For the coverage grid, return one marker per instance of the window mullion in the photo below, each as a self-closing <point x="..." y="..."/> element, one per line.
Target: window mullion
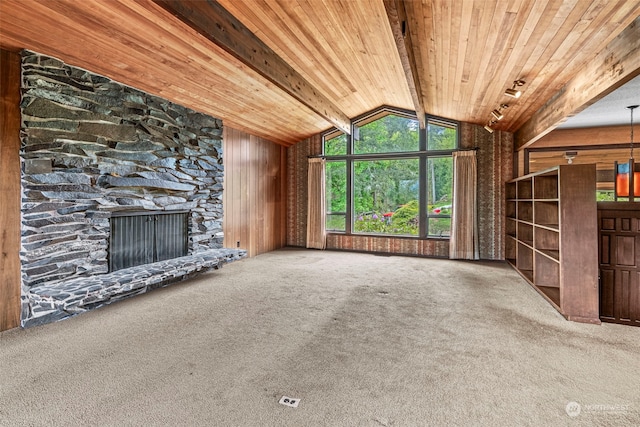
<point x="348" y="229"/>
<point x="423" y="223"/>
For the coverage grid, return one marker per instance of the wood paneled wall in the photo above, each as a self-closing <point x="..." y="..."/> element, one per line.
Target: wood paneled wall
<point x="437" y="248"/>
<point x="254" y="193"/>
<point x="9" y="190"/>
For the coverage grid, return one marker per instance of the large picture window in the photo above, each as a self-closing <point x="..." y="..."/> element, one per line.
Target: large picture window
<point x="389" y="178"/>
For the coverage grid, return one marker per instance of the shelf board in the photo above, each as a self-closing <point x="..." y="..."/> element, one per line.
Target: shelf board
<point x="527" y="274"/>
<point x="551" y="227"/>
<point x="546" y="172"/>
<point x="546" y="200"/>
<point x="554" y="255"/>
<point x="528" y="243"/>
<point x="552" y="293"/>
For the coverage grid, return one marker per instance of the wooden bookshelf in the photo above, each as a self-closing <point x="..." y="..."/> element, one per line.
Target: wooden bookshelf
<point x="551" y="237"/>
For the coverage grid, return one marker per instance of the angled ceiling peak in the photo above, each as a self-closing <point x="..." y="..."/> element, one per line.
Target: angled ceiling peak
<point x="397" y="16"/>
<point x="215" y="23"/>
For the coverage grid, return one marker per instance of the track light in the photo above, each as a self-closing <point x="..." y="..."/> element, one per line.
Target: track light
<point x="488" y="127"/>
<point x="497" y="113"/>
<point x="513" y="92"/>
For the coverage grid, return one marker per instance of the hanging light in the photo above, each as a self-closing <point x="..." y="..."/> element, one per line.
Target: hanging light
<point x="623" y="171"/>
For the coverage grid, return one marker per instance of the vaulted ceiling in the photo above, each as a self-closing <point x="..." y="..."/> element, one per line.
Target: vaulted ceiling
<point x="288" y="69"/>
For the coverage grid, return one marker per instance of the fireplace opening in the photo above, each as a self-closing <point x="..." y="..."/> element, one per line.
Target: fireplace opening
<point x="139" y="238"/>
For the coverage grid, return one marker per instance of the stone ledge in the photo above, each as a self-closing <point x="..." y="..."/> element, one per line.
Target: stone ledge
<point x="48" y="303"/>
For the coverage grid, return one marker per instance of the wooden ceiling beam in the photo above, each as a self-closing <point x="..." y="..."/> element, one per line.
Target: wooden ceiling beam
<point x="397" y="16"/>
<point x="215" y="23"/>
<point x="594" y="136"/>
<point x="618" y="63"/>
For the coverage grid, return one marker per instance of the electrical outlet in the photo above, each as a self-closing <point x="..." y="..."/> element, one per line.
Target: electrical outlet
<point x="238" y="244"/>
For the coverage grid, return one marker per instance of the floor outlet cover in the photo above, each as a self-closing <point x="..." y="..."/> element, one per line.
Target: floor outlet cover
<point x="289" y="401"/>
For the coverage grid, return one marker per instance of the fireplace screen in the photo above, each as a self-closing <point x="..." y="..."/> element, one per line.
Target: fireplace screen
<point x="143" y="238"/>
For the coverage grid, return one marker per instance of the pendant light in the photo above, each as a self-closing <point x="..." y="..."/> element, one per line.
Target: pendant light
<point x="626" y="175"/>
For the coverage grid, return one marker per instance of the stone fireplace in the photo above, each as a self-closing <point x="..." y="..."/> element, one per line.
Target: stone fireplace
<point x="94" y="151"/>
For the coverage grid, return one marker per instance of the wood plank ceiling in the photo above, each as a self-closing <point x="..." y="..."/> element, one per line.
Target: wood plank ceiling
<point x="467" y="52"/>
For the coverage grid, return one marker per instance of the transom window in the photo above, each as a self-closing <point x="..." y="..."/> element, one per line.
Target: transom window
<point x="388" y="177"/>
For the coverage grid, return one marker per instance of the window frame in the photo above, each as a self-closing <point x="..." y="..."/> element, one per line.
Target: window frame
<point x="422" y="154"/>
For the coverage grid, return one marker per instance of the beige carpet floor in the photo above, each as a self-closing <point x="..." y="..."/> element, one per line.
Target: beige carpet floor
<point x="361" y="340"/>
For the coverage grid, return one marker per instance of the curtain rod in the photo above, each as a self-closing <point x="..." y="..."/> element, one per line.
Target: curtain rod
<point x="322" y="156"/>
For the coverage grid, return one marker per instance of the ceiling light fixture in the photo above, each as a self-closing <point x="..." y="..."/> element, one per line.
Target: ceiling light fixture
<point x="513" y="92"/>
<point x="570" y="155"/>
<point x="488" y="127"/>
<point x="497" y="113"/>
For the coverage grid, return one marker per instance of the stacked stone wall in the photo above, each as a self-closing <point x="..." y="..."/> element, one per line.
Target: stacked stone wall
<point x="92" y="146"/>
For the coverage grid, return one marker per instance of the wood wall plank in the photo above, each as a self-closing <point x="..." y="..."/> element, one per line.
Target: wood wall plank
<point x="9" y="190"/>
<point x="254" y="200"/>
<point x="215" y="23"/>
<point x="587" y="136"/>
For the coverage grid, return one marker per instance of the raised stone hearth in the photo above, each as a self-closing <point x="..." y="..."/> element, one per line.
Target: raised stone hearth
<point x="55" y="301"/>
<point x="92" y="147"/>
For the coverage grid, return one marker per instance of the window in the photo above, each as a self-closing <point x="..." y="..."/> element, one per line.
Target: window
<point x="390" y="178"/>
<point x="336" y="195"/>
<point x="385" y="196"/>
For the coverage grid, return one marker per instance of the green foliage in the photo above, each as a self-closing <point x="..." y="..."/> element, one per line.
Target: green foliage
<point x="440" y="137"/>
<point x="384" y="185"/>
<point x="387" y="135"/>
<point x="385" y="191"/>
<point x="439" y="226"/>
<point x="385" y="224"/>
<point x="440" y="177"/>
<point x="336" y="222"/>
<point x="604" y="196"/>
<point x="336" y="186"/>
<point x="336" y="146"/>
<point x="406" y="215"/>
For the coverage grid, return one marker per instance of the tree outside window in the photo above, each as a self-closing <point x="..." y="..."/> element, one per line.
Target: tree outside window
<point x="397" y="188"/>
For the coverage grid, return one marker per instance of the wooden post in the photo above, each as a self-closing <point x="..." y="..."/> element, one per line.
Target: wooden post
<point x="9" y="190"/>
